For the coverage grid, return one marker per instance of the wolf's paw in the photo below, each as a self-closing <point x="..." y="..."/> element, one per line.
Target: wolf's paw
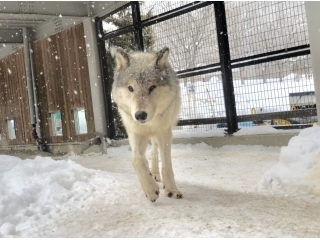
<point x="156" y="177"/>
<point x="151" y="190"/>
<point x="172" y="193"/>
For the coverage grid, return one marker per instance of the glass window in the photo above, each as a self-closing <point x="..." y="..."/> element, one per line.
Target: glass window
<point x="11" y="129"/>
<point x="80" y="121"/>
<point x="56" y="123"/>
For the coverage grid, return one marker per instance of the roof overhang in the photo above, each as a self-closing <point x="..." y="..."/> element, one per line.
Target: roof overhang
<point x="45" y="18"/>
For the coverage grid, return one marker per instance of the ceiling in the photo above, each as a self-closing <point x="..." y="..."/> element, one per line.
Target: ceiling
<point x="46" y="16"/>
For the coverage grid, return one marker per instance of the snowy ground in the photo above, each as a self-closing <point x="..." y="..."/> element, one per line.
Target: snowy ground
<point x="100" y="196"/>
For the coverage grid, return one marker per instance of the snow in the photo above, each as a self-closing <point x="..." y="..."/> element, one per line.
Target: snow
<point x="100" y="196"/>
<point x="34" y="188"/>
<point x="298" y="169"/>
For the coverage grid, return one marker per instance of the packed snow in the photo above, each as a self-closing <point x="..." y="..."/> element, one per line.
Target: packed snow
<point x="298" y="170"/>
<point x="99" y="195"/>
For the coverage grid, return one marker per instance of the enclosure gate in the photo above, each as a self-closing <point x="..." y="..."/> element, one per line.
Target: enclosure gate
<point x="238" y="62"/>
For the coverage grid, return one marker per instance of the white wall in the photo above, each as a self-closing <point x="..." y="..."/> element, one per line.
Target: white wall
<point x="95" y="77"/>
<point x="313" y="20"/>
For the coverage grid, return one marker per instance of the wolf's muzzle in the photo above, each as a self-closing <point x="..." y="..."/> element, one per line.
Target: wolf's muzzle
<point x="141" y="116"/>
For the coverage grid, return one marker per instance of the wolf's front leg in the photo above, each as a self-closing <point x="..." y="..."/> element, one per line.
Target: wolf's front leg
<point x="140" y="164"/>
<point x="155" y="160"/>
<point x="169" y="184"/>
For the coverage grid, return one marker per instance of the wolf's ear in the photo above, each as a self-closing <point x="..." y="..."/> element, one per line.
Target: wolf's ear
<point x="121" y="58"/>
<point x="162" y="58"/>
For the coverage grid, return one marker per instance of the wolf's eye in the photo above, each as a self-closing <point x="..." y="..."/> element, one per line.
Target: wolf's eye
<point x="151" y="88"/>
<point x="130" y="89"/>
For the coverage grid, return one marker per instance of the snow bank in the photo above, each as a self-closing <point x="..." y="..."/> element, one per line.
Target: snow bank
<point x="31" y="189"/>
<point x="298" y="170"/>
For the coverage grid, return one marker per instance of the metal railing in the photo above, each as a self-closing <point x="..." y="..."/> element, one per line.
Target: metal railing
<point x="238" y="62"/>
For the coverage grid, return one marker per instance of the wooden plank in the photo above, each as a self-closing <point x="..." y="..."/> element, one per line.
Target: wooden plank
<point x="14" y="98"/>
<point x="64" y="84"/>
<point x="87" y="99"/>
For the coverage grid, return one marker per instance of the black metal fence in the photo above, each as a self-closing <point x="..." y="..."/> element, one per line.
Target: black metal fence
<point x="240" y="63"/>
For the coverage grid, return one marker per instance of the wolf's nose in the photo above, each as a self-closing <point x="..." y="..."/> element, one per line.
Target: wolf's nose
<point x="141" y="116"/>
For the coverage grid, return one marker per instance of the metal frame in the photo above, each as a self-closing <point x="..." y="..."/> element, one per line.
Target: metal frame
<point x="282" y="51"/>
<point x="137" y="25"/>
<point x="106" y="85"/>
<point x="156" y="19"/>
<point x="225" y="65"/>
<point x="257" y="60"/>
<point x="114" y="11"/>
<point x="224" y="52"/>
<point x="252" y="117"/>
<point x="199" y="70"/>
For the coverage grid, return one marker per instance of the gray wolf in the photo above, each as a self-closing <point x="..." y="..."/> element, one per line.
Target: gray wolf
<point x="147" y="93"/>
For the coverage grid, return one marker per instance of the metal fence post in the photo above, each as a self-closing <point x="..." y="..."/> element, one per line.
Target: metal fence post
<point x="106" y="85"/>
<point x="137" y="25"/>
<point x="224" y="53"/>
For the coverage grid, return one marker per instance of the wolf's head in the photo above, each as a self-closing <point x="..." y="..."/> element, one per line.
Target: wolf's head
<point x="144" y="83"/>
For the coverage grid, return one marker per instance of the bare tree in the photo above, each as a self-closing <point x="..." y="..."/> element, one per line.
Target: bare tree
<point x="259" y="27"/>
<point x="191" y="36"/>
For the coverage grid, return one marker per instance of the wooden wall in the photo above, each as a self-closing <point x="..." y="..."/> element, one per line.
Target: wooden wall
<point x="14" y="102"/>
<point x="62" y="78"/>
